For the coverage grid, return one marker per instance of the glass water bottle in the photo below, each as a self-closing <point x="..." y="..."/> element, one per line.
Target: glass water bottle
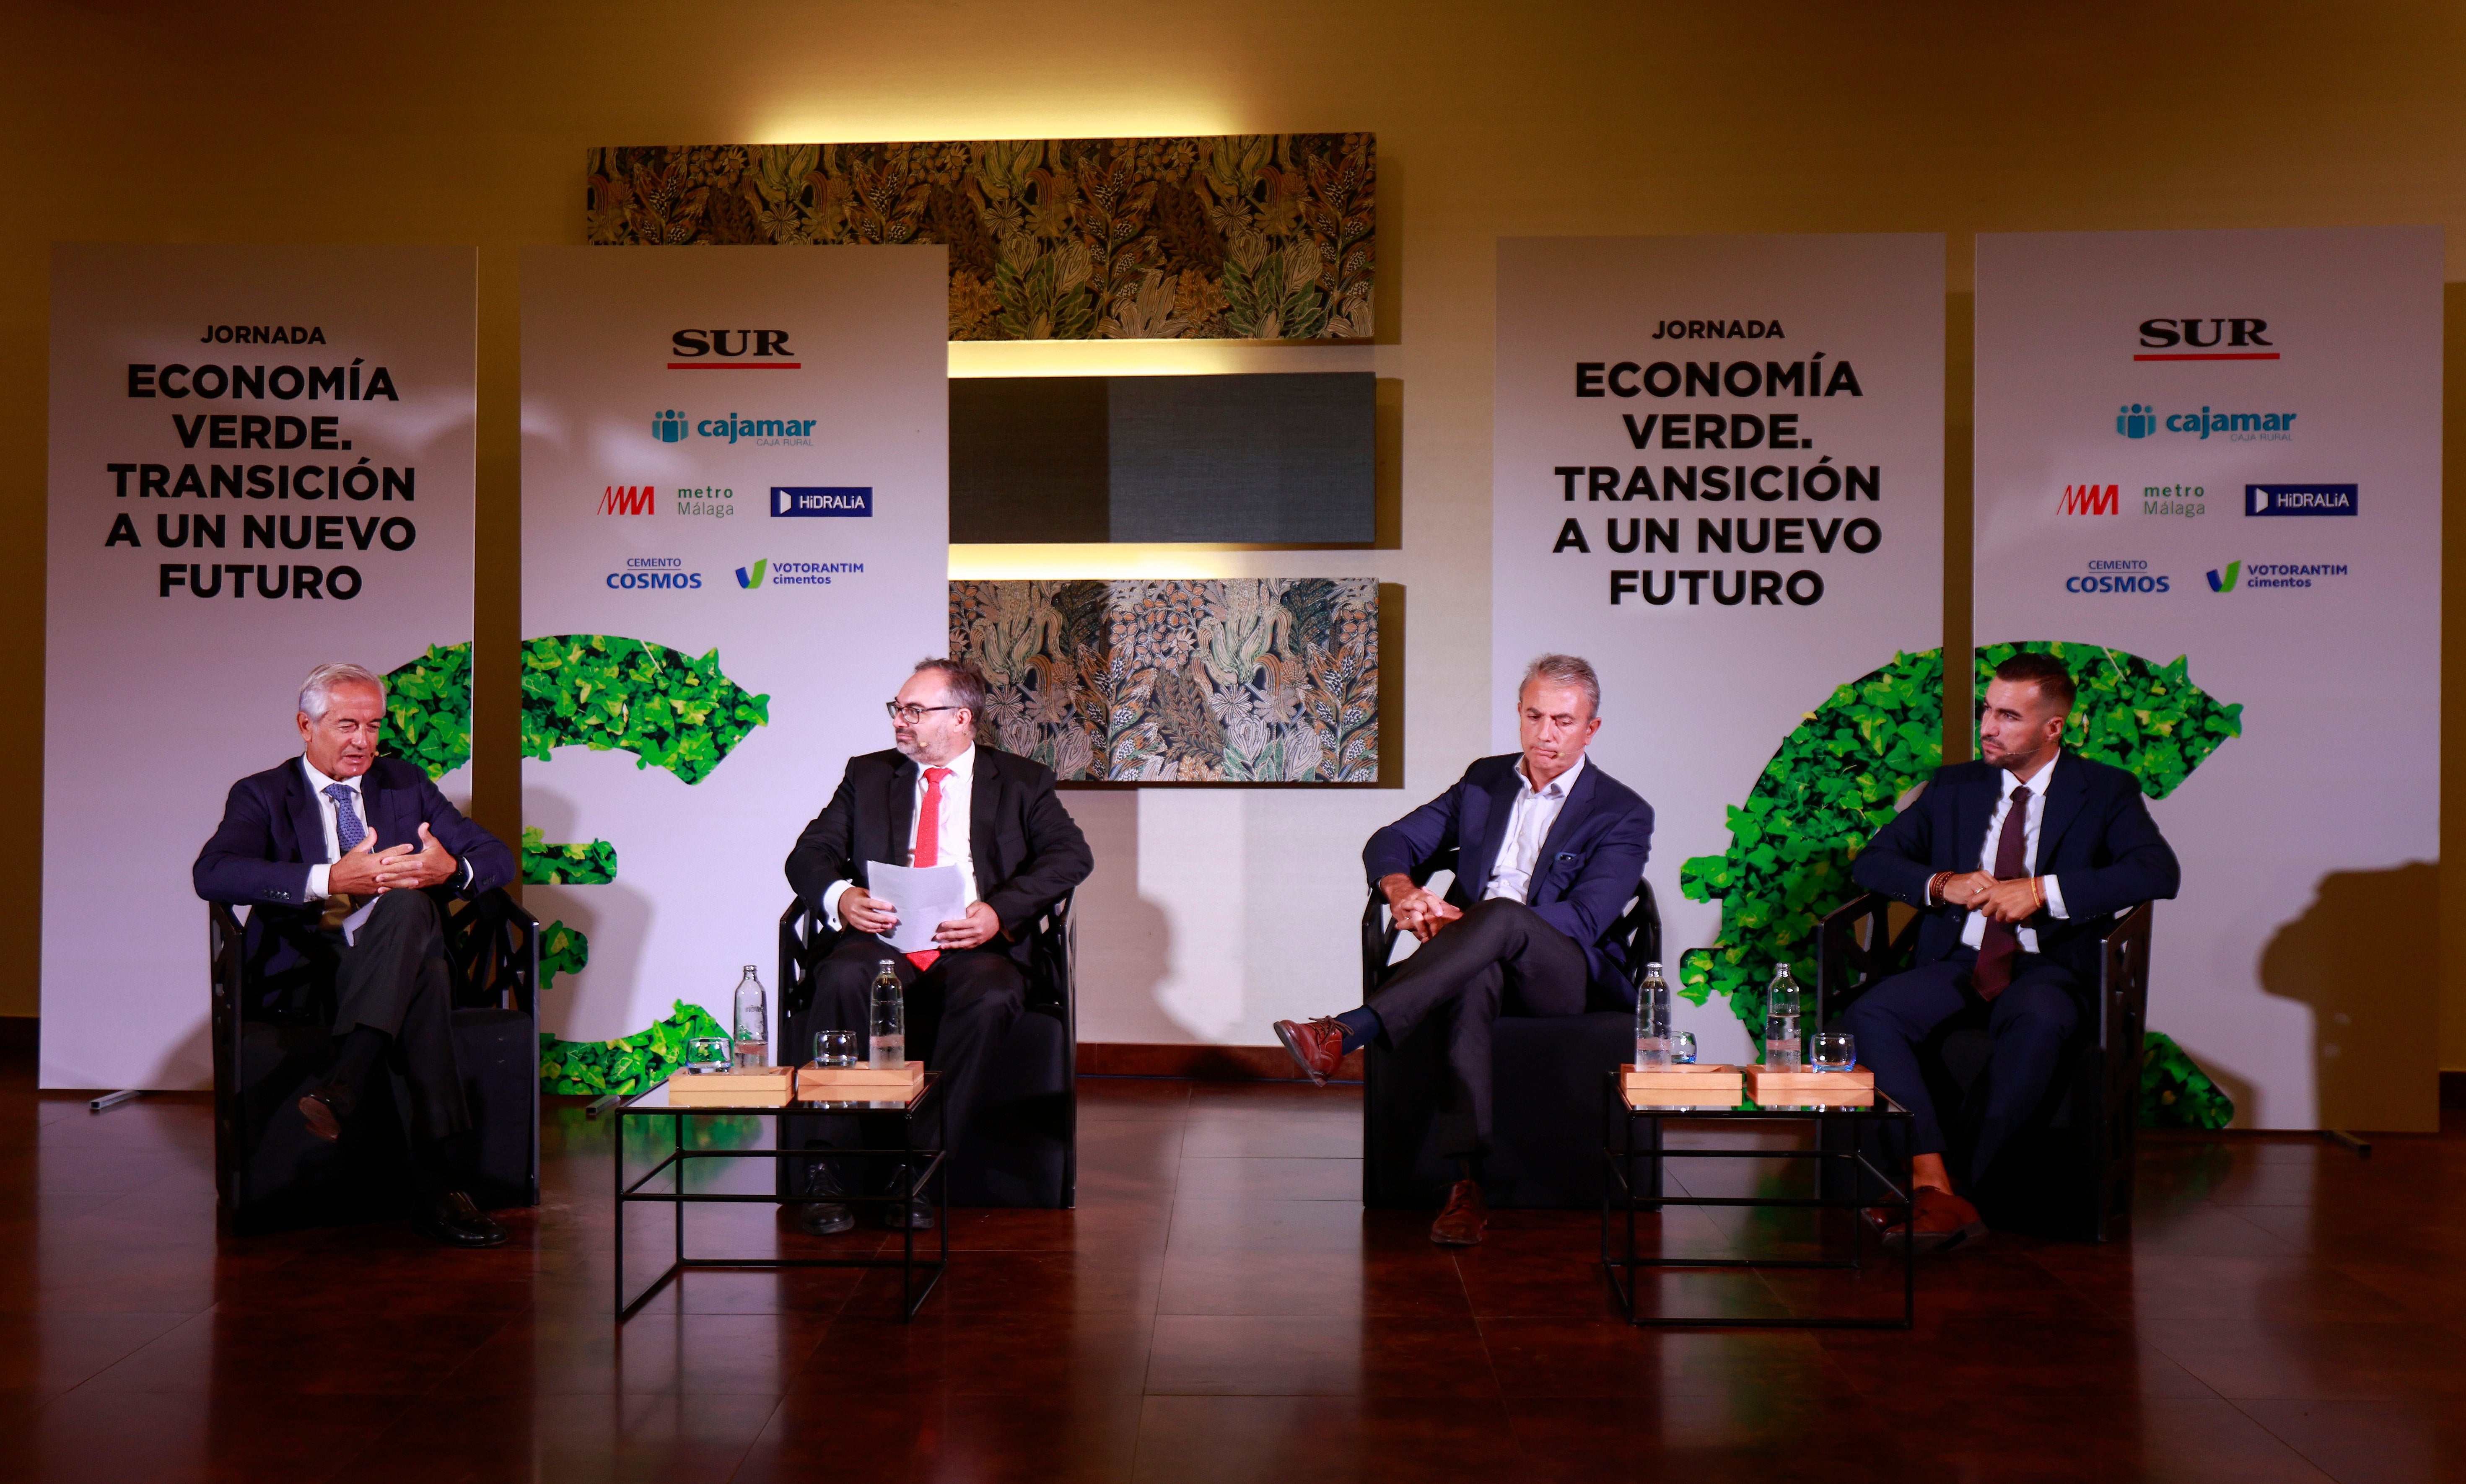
<point x="1653" y="1021"/>
<point x="1783" y="1004"/>
<point x="752" y="1022"/>
<point x="887" y="1043"/>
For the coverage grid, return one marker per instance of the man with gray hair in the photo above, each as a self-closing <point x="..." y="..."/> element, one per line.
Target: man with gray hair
<point x="1546" y="851"/>
<point x="349" y="844"/>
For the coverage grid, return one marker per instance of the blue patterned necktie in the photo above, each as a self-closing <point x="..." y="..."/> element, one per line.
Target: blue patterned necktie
<point x="346" y="821"/>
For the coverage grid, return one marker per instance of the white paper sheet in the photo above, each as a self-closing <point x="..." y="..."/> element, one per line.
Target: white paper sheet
<point x="925" y="897"/>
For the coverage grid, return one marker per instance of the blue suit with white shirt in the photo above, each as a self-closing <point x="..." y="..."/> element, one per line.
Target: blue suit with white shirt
<point x="1541" y="877"/>
<point x="2089" y="838"/>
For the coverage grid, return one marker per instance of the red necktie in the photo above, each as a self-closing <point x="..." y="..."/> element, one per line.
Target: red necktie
<point x="929" y="846"/>
<point x="2002" y="943"/>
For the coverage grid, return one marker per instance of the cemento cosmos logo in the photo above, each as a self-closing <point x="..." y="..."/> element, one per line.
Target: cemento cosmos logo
<point x="654" y="574"/>
<point x="2117" y="575"/>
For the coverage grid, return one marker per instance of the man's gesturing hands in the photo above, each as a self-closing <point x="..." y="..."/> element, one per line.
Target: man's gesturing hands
<point x="364" y="871"/>
<point x="1416" y="911"/>
<point x="2016" y="900"/>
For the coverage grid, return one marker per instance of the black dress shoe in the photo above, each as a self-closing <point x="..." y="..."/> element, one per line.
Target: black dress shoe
<point x="325" y="1108"/>
<point x="824" y="1218"/>
<point x="455" y="1220"/>
<point x="913" y="1214"/>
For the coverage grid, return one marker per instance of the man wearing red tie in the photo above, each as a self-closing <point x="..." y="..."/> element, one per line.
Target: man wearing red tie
<point x="2018" y="864"/>
<point x="936" y="799"/>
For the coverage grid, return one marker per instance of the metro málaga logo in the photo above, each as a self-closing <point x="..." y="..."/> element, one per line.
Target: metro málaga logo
<point x="2090" y="499"/>
<point x="626" y="499"/>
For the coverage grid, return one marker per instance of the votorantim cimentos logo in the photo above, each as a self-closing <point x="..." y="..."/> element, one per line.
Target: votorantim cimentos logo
<point x="1741" y="460"/>
<point x="2261" y="575"/>
<point x="796" y="574"/>
<point x="354" y="508"/>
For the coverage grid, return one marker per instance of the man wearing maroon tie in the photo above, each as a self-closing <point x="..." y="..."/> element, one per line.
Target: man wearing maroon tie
<point x="2019" y="863"/>
<point x="936" y="798"/>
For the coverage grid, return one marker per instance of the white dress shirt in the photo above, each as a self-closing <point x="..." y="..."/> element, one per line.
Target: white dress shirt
<point x="318" y="783"/>
<point x="1973" y="932"/>
<point x="951" y="839"/>
<point x="1528" y="830"/>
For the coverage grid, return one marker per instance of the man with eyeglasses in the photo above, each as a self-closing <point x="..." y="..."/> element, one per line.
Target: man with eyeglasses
<point x="933" y="798"/>
<point x="1546" y="849"/>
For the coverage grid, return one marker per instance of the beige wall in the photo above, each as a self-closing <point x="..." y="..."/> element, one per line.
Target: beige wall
<point x="459" y="123"/>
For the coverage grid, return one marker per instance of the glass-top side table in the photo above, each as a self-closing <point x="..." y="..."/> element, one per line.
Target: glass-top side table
<point x="924" y="1165"/>
<point x="1632" y="1136"/>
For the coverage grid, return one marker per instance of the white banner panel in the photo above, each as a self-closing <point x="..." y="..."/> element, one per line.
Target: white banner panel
<point x="260" y="460"/>
<point x="735" y="544"/>
<point x="1719" y="476"/>
<point x="2224" y="446"/>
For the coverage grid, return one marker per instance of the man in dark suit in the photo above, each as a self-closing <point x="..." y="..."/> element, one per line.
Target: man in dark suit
<point x="2018" y="863"/>
<point x="347" y="842"/>
<point x="1547" y="851"/>
<point x="935" y="798"/>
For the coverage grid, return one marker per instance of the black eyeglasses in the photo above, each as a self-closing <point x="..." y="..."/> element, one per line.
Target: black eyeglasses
<point x="912" y="715"/>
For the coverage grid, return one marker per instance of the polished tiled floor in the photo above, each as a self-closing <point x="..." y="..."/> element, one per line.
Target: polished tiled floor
<point x="1219" y="1308"/>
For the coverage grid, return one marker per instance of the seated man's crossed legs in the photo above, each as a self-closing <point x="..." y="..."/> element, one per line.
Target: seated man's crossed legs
<point x="2030" y="1022"/>
<point x="1499" y="957"/>
<point x="958" y="1011"/>
<point x="394" y="997"/>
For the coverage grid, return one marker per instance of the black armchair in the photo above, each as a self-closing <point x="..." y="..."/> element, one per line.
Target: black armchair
<point x="1546" y="1149"/>
<point x="2068" y="1173"/>
<point x="273" y="1003"/>
<point x="1021" y="1145"/>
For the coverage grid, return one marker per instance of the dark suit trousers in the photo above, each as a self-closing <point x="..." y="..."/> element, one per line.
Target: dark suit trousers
<point x="1498" y="955"/>
<point x="395" y="979"/>
<point x="2030" y="1022"/>
<point x="958" y="1012"/>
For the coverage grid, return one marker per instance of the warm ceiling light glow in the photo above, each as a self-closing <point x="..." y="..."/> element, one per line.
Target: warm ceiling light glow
<point x="1058" y="560"/>
<point x="1032" y="115"/>
<point x="1148" y="358"/>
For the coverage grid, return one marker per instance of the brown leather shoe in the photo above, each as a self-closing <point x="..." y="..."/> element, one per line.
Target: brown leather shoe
<point x="325" y="1108"/>
<point x="1317" y="1046"/>
<point x="1941" y="1222"/>
<point x="1463" y="1218"/>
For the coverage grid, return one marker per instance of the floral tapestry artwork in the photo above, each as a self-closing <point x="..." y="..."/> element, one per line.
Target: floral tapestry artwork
<point x="1235" y="236"/>
<point x="1263" y="680"/>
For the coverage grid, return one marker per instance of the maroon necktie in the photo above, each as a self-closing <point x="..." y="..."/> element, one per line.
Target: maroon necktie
<point x="2003" y="941"/>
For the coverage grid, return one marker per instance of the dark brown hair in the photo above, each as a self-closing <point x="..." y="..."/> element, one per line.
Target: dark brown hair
<point x="965" y="684"/>
<point x="2045" y="671"/>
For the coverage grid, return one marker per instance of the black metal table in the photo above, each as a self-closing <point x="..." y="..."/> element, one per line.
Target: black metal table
<point x="1623" y="1191"/>
<point x="923" y="1166"/>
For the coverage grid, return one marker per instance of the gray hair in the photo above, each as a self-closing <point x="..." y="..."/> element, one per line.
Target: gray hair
<point x="316" y="693"/>
<point x="1564" y="669"/>
<point x="964" y="684"/>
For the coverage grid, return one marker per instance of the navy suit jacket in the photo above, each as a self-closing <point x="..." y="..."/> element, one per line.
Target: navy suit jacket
<point x="271" y="832"/>
<point x="1027" y="849"/>
<point x="2095" y="836"/>
<point x="1588" y="867"/>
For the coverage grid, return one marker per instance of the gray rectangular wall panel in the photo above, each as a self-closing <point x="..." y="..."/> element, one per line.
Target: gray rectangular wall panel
<point x="1276" y="460"/>
<point x="1029" y="460"/>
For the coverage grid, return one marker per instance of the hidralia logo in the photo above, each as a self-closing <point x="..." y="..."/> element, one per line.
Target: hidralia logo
<point x="626" y="499"/>
<point x="2227" y="582"/>
<point x="751" y="577"/>
<point x="2299" y="499"/>
<point x="668" y="427"/>
<point x="2089" y="499"/>
<point x="816" y="499"/>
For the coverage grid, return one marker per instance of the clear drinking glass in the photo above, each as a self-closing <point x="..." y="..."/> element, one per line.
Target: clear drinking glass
<point x="706" y="1052"/>
<point x="1681" y="1047"/>
<point x="835" y="1047"/>
<point x="1835" y="1050"/>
